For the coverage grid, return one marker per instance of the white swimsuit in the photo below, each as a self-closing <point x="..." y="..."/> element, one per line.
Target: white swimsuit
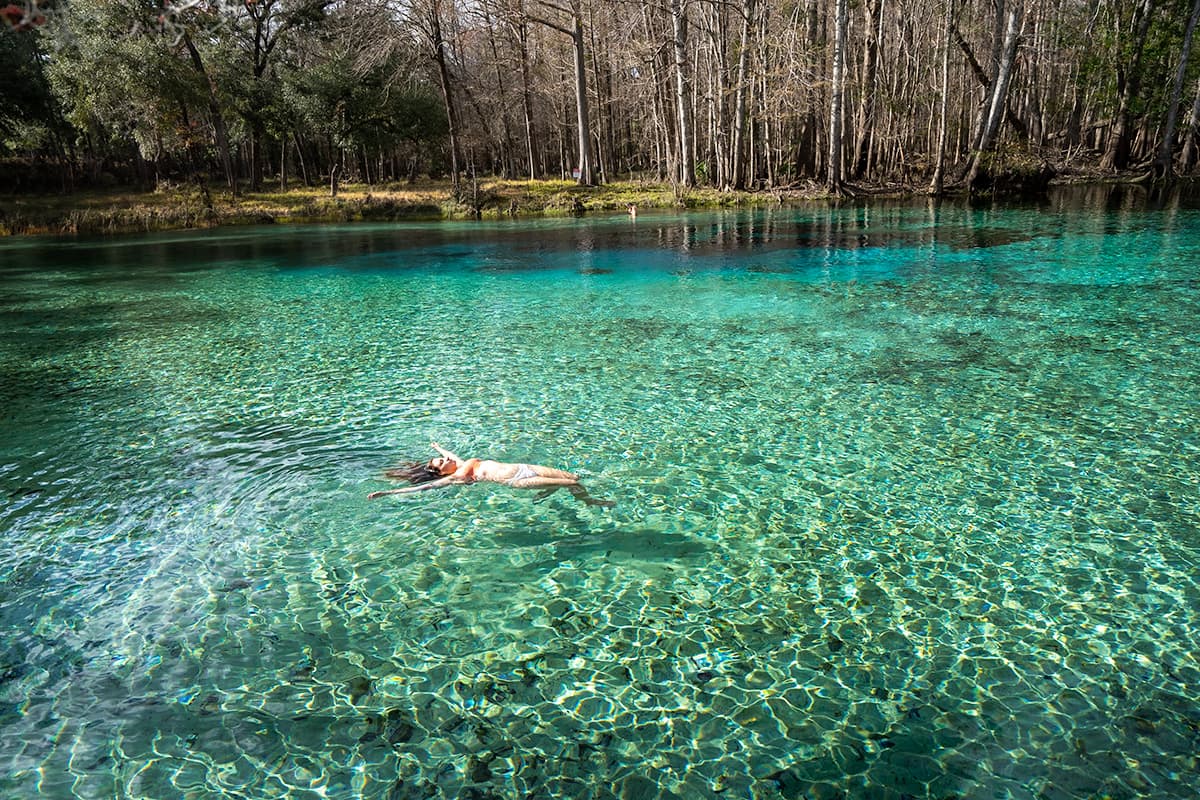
<point x="523" y="471"/>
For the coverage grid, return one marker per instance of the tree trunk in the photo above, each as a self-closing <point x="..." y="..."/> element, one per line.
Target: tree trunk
<point x="939" y="159"/>
<point x="714" y="19"/>
<point x="833" y="181"/>
<point x="506" y="160"/>
<point x="586" y="168"/>
<point x="214" y="112"/>
<point x="587" y="173"/>
<point x="873" y="20"/>
<point x="300" y="158"/>
<point x="1116" y="155"/>
<point x="1162" y="164"/>
<point x="687" y="143"/>
<point x="999" y="99"/>
<point x="256" y="169"/>
<point x="739" y="107"/>
<point x="603" y="153"/>
<point x="527" y="97"/>
<point x="1188" y="159"/>
<point x="438" y="45"/>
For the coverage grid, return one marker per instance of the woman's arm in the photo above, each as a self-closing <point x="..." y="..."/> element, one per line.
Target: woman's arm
<point x="444" y="453"/>
<point x="438" y="484"/>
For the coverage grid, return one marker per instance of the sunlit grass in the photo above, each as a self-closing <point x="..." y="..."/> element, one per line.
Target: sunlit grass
<point x="192" y="206"/>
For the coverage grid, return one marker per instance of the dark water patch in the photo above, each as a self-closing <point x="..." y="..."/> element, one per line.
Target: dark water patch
<point x="158" y="262"/>
<point x="703" y="382"/>
<point x="39" y="333"/>
<point x="514" y="266"/>
<point x="452" y="255"/>
<point x="985" y="237"/>
<point x="642" y="330"/>
<point x="976" y="349"/>
<point x="960" y="364"/>
<point x="26" y="387"/>
<point x="52" y="330"/>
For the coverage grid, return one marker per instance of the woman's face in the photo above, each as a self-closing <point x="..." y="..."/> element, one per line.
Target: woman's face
<point x="443" y="466"/>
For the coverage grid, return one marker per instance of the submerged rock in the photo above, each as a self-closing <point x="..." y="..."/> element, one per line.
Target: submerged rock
<point x="358" y="687"/>
<point x="478" y="770"/>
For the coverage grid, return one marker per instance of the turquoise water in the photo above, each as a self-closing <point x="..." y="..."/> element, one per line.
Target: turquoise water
<point x="907" y="506"/>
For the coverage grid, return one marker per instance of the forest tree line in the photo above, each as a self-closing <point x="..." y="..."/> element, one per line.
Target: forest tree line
<point x="727" y="93"/>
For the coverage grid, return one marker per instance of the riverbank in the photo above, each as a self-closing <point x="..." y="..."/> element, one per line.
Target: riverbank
<point x="175" y="207"/>
<point x="189" y="206"/>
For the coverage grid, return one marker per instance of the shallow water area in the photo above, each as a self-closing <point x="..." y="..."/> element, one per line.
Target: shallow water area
<point x="907" y="506"/>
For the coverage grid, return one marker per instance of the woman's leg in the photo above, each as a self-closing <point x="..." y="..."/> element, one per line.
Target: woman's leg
<point x="581" y="493"/>
<point x="550" y="484"/>
<point x="539" y="482"/>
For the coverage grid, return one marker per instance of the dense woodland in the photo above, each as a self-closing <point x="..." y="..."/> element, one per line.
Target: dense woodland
<point x="726" y="93"/>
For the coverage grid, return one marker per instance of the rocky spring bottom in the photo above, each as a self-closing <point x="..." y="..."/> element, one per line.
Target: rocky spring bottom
<point x="907" y="507"/>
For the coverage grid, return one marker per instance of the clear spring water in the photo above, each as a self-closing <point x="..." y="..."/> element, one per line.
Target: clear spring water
<point x="907" y="507"/>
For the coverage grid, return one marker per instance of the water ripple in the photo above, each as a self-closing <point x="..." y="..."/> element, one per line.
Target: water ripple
<point x="916" y="518"/>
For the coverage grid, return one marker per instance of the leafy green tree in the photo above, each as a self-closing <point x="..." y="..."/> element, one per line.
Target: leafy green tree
<point x="29" y="113"/>
<point x="365" y="109"/>
<point x="120" y="79"/>
<point x="262" y="33"/>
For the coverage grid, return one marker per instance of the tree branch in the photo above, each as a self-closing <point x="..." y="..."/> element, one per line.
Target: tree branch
<point x="549" y="24"/>
<point x="980" y="75"/>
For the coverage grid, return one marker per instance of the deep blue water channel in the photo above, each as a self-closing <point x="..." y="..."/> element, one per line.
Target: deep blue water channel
<point x="907" y="506"/>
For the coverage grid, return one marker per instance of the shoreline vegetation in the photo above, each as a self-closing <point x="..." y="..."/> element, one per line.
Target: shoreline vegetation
<point x="189" y="206"/>
<point x="780" y="102"/>
<point x="184" y="206"/>
<point x="180" y="206"/>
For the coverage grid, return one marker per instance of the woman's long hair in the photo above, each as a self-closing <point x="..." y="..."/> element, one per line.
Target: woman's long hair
<point x="415" y="472"/>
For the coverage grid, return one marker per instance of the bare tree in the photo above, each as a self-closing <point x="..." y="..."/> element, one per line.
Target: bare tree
<point x="427" y="14"/>
<point x="687" y="143"/>
<point x="1188" y="158"/>
<point x="837" y="85"/>
<point x="573" y="28"/>
<point x="517" y="22"/>
<point x="1162" y="163"/>
<point x="739" y="108"/>
<point x="1129" y="82"/>
<point x="865" y="121"/>
<point x="215" y="113"/>
<point x="939" y="159"/>
<point x="999" y="97"/>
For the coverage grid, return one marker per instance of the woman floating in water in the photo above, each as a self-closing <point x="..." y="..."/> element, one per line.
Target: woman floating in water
<point x="449" y="470"/>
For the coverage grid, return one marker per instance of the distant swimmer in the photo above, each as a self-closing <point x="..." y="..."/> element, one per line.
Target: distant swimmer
<point x="450" y="470"/>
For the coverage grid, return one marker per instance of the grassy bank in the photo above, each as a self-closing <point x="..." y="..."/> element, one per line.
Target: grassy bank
<point x="189" y="206"/>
